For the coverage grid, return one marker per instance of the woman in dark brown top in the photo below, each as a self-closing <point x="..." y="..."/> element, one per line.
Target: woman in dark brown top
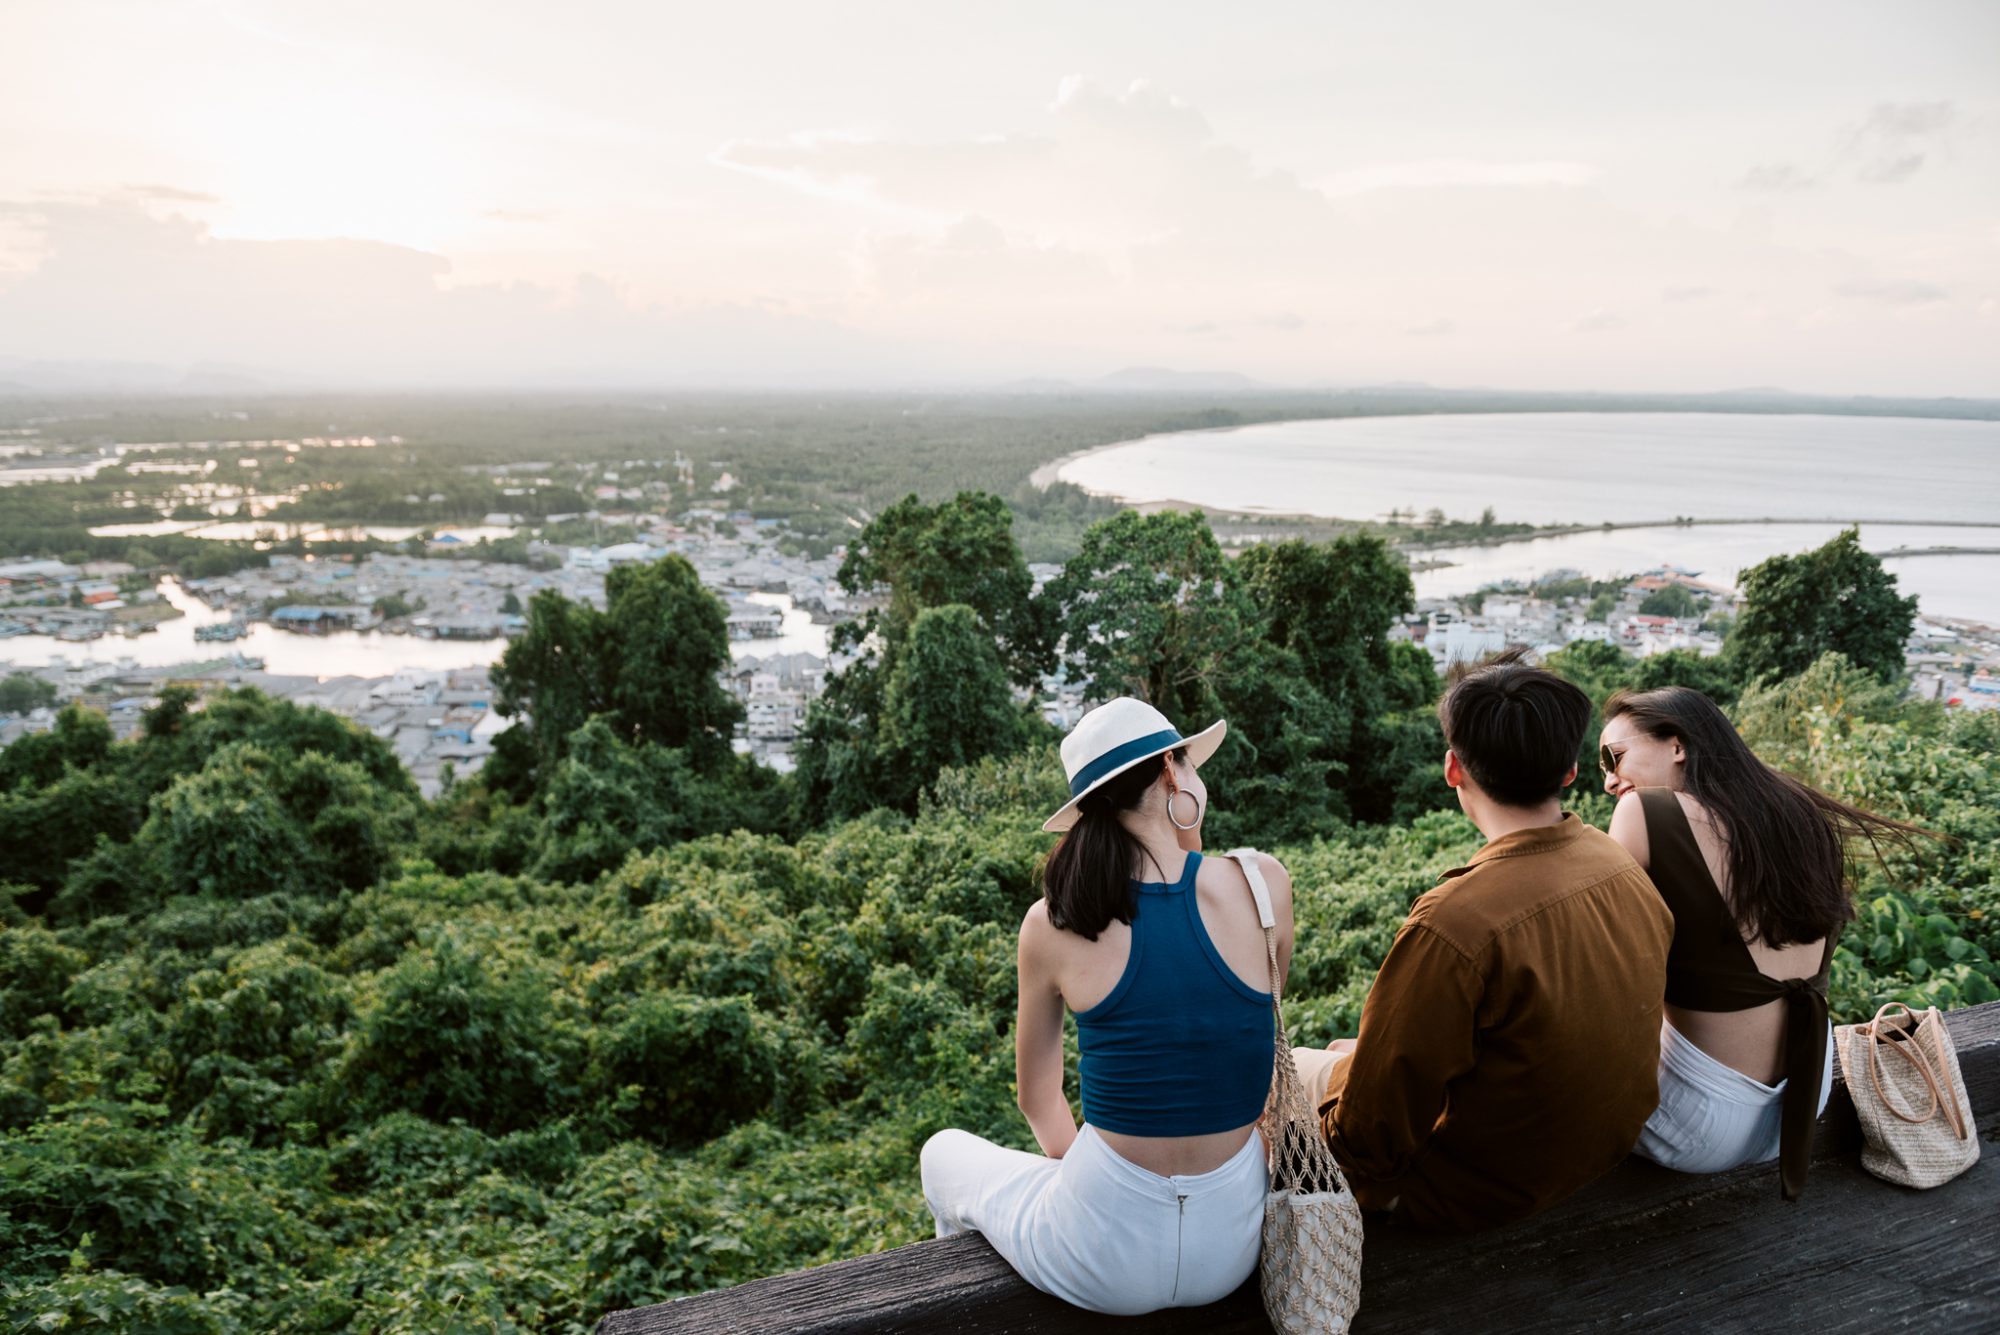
<point x="1753" y="865"/>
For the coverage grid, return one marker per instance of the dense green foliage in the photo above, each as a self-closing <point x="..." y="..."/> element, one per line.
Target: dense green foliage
<point x="23" y="691"/>
<point x="647" y="665"/>
<point x="1836" y="598"/>
<point x="285" y="1048"/>
<point x="957" y="622"/>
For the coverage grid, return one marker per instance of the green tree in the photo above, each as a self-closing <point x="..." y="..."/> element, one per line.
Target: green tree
<point x="1779" y="719"/>
<point x="454" y="1032"/>
<point x="959" y="554"/>
<point x="1148" y="607"/>
<point x="960" y="551"/>
<point x="250" y="822"/>
<point x="946" y="701"/>
<point x="605" y="799"/>
<point x="649" y="663"/>
<point x="557" y="671"/>
<point x="21" y="692"/>
<point x="60" y="793"/>
<point x="672" y="641"/>
<point x="1834" y="599"/>
<point x="1333" y="605"/>
<point x="1674" y="600"/>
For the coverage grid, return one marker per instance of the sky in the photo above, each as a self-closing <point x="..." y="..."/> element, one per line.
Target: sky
<point x="1598" y="196"/>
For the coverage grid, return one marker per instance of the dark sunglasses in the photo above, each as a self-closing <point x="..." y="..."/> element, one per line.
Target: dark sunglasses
<point x="1607" y="760"/>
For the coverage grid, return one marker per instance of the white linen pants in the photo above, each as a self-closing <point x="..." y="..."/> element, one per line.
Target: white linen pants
<point x="1095" y="1229"/>
<point x="1711" y="1116"/>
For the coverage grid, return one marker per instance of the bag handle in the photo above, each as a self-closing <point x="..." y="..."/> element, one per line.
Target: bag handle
<point x="1246" y="858"/>
<point x="1942" y="1098"/>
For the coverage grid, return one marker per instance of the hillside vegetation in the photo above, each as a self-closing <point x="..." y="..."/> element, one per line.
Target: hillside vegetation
<point x="284" y="1047"/>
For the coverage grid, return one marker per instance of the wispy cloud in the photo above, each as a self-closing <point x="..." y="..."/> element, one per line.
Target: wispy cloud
<point x="1890" y="146"/>
<point x="1687" y="293"/>
<point x="1893" y="144"/>
<point x="1441" y="173"/>
<point x="1892" y="292"/>
<point x="171" y="194"/>
<point x="1599" y="321"/>
<point x="1775" y="176"/>
<point x="1430" y="329"/>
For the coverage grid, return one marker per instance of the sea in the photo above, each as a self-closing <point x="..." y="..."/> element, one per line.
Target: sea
<point x="1784" y="483"/>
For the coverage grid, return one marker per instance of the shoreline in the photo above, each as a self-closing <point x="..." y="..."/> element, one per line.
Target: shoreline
<point x="1047" y="474"/>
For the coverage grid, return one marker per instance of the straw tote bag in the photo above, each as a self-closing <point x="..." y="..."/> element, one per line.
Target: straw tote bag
<point x="1310" y="1268"/>
<point x="1902" y="1073"/>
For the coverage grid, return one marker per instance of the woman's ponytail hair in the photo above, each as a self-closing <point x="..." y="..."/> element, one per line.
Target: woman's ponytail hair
<point x="1088" y="877"/>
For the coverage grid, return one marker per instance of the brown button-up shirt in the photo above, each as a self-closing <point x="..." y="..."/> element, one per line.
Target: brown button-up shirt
<point x="1508" y="1051"/>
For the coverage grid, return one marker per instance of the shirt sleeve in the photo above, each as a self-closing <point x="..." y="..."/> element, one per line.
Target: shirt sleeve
<point x="1417" y="1035"/>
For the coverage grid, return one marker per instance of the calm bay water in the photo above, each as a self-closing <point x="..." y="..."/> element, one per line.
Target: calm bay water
<point x="1608" y="467"/>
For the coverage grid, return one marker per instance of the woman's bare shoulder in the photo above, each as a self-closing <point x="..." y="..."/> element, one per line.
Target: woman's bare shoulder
<point x="1628" y="827"/>
<point x="1230" y="880"/>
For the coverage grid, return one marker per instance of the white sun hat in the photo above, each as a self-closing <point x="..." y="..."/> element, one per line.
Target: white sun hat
<point x="1114" y="737"/>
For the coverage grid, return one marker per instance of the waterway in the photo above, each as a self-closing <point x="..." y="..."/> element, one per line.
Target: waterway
<point x="338" y="653"/>
<point x="1940" y="478"/>
<point x="266" y="531"/>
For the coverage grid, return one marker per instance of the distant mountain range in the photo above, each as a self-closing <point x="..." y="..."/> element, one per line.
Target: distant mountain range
<point x="1141" y="380"/>
<point x="20" y="376"/>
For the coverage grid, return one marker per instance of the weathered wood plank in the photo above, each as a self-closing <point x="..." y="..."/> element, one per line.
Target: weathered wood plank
<point x="1644" y="1249"/>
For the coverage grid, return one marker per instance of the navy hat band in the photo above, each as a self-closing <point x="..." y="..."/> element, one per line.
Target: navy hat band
<point x="1119" y="756"/>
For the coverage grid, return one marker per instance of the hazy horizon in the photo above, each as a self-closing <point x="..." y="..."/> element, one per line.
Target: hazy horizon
<point x="1581" y="198"/>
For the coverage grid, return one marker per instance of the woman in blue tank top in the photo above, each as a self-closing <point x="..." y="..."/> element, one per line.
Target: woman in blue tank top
<point x="1157" y="1200"/>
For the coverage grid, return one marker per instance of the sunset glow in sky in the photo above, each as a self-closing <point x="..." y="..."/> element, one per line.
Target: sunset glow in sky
<point x="1555" y="195"/>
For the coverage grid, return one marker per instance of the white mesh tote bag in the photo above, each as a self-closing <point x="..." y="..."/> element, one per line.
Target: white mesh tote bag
<point x="1310" y="1270"/>
<point x="1902" y="1073"/>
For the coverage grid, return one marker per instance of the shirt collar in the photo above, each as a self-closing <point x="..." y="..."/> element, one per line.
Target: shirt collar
<point x="1538" y="839"/>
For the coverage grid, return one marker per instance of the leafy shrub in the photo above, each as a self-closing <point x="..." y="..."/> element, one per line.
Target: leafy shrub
<point x="450" y="1035"/>
<point x="682" y="1067"/>
<point x="84" y="1299"/>
<point x="251" y="1039"/>
<point x="35" y="970"/>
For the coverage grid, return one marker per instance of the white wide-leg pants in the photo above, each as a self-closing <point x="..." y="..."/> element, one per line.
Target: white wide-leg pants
<point x="1711" y="1116"/>
<point x="1097" y="1230"/>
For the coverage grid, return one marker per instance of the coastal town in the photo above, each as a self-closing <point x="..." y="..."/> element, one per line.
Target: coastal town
<point x="441" y="721"/>
<point x="778" y="607"/>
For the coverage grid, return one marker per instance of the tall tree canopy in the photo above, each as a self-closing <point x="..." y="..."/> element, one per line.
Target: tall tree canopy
<point x="958" y="551"/>
<point x="649" y="662"/>
<point x="1149" y="607"/>
<point x="1333" y="605"/>
<point x="930" y="690"/>
<point x="946" y="701"/>
<point x="1836" y="599"/>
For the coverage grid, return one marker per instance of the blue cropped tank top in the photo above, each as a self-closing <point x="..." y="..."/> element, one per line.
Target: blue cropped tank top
<point x="1182" y="1046"/>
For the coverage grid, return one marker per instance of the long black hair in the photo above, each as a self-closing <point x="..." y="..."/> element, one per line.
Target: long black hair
<point x="1088" y="876"/>
<point x="1787" y="841"/>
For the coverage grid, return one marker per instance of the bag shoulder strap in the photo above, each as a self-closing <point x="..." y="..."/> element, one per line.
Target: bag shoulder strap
<point x="1246" y="858"/>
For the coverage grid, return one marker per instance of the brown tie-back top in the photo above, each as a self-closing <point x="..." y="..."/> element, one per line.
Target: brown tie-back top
<point x="1710" y="968"/>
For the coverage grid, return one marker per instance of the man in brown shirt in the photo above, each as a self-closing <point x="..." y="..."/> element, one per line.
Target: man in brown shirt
<point x="1509" y="1046"/>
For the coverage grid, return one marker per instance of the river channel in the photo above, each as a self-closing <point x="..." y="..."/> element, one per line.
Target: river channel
<point x="340" y="653"/>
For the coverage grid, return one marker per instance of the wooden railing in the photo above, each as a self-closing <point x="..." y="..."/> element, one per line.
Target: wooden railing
<point x="1642" y="1249"/>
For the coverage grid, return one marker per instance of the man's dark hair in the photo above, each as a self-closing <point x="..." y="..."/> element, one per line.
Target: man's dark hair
<point x="1516" y="729"/>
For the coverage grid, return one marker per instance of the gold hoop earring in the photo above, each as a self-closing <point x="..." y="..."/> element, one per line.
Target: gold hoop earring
<point x="1182" y="792"/>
